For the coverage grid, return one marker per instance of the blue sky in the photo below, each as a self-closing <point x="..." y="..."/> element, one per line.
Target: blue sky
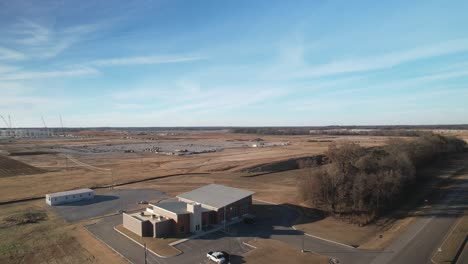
<point x="233" y="63"/>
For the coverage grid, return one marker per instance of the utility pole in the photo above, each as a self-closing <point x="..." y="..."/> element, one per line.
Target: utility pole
<point x="224" y="214"/>
<point x="11" y="127"/>
<point x="145" y="254"/>
<point x="61" y="124"/>
<point x="7" y="125"/>
<point x="303" y="235"/>
<point x="45" y="126"/>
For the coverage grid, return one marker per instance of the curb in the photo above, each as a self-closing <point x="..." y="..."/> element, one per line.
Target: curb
<point x="97" y="238"/>
<point x="247" y="244"/>
<point x="156" y="254"/>
<point x="294" y="227"/>
<point x="446" y="238"/>
<point x="220" y="228"/>
<point x="178" y="242"/>
<point x="324" y="239"/>
<point x="265" y="202"/>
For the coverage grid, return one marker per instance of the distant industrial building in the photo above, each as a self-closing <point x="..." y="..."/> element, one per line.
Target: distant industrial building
<point x="69" y="196"/>
<point x="193" y="212"/>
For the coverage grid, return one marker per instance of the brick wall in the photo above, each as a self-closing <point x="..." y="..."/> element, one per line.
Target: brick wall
<point x="182" y="226"/>
<point x="236" y="209"/>
<point x="164" y="228"/>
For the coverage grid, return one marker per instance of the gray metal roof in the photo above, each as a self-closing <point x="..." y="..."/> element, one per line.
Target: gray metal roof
<point x="216" y="195"/>
<point x="72" y="192"/>
<point x="175" y="207"/>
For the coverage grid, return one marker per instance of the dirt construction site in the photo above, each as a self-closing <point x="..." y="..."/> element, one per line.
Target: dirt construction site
<point x="171" y="163"/>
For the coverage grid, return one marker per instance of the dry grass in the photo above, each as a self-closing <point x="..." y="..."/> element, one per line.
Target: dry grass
<point x="11" y="167"/>
<point x="158" y="245"/>
<point x="73" y="244"/>
<point x="63" y="174"/>
<point x="46" y="241"/>
<point x="339" y="231"/>
<point x="273" y="251"/>
<point x="453" y="242"/>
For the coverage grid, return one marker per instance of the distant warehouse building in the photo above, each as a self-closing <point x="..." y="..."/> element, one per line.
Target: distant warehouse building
<point x="213" y="204"/>
<point x="69" y="196"/>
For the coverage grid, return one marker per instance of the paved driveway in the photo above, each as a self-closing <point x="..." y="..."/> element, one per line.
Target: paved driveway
<point x="275" y="224"/>
<point x="106" y="203"/>
<point x="194" y="251"/>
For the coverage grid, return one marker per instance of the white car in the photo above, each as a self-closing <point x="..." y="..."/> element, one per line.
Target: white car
<point x="216" y="256"/>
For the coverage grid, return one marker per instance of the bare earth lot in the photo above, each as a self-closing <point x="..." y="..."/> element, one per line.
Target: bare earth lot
<point x="65" y="170"/>
<point x="62" y="164"/>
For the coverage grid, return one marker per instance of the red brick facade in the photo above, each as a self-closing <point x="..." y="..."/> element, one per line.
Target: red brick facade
<point x="182" y="225"/>
<point x="236" y="209"/>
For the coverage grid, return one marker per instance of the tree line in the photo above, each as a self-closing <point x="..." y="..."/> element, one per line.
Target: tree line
<point x="329" y="131"/>
<point x="363" y="182"/>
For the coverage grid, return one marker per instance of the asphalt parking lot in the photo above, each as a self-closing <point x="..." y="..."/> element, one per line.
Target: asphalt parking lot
<point x="194" y="250"/>
<point x="106" y="203"/>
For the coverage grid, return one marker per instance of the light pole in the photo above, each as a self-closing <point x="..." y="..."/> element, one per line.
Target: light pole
<point x="145" y="254"/>
<point x="303" y="235"/>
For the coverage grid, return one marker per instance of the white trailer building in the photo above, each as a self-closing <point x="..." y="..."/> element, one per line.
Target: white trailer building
<point x="69" y="196"/>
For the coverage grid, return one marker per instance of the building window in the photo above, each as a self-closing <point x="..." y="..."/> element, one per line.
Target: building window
<point x="49" y="199"/>
<point x="197" y="227"/>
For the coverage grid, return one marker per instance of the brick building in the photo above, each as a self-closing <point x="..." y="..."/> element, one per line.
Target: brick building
<point x="194" y="211"/>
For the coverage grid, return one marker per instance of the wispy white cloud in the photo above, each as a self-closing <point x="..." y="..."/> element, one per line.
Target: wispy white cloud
<point x="145" y="60"/>
<point x="179" y="91"/>
<point x="9" y="54"/>
<point x="7" y="68"/>
<point x="44" y="42"/>
<point x="174" y="102"/>
<point x="30" y="33"/>
<point x="303" y="69"/>
<point x="29" y="75"/>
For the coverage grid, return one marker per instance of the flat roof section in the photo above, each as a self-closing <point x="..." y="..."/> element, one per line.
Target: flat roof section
<point x="72" y="192"/>
<point x="216" y="195"/>
<point x="147" y="217"/>
<point x="174" y="207"/>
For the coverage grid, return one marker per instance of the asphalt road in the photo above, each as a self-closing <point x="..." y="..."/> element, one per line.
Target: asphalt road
<point x="280" y="228"/>
<point x="464" y="256"/>
<point x="415" y="245"/>
<point x="106" y="203"/>
<point x="428" y="233"/>
<point x="194" y="250"/>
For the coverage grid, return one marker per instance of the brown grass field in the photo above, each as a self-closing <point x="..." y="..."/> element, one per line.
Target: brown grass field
<point x="273" y="251"/>
<point x="63" y="171"/>
<point x="48" y="241"/>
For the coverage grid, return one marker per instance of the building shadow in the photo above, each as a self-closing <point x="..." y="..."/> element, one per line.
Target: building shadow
<point x="270" y="220"/>
<point x="97" y="199"/>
